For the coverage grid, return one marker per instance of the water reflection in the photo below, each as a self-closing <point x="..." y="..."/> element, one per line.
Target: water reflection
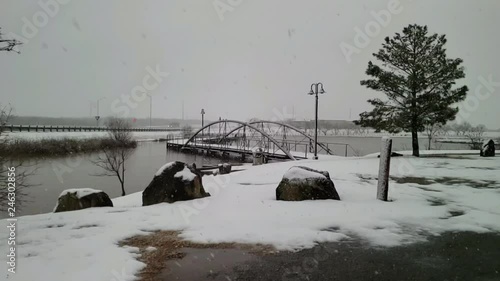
<point x="54" y="175"/>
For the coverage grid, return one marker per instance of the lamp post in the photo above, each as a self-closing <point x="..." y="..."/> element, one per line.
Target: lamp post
<point x="202" y="117"/>
<point x="97" y="117"/>
<point x="202" y="123"/>
<point x="316" y="88"/>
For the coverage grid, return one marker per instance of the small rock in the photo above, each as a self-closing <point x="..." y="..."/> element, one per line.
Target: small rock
<point x="224" y="169"/>
<point x="77" y="199"/>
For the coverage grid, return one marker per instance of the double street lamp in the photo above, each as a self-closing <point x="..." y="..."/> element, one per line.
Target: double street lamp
<point x="316" y="88"/>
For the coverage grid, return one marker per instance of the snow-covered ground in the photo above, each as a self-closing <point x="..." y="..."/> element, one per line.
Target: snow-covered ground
<point x="434" y="195"/>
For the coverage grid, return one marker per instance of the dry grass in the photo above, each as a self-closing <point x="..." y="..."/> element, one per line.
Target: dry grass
<point x="58" y="147"/>
<point x="169" y="246"/>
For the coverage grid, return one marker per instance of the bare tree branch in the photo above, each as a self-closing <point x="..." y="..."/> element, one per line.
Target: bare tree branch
<point x="116" y="152"/>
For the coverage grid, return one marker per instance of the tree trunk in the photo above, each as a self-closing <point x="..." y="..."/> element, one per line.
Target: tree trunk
<point x="414" y="138"/>
<point x="123" y="188"/>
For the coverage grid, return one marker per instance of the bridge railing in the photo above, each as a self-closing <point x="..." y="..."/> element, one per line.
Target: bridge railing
<point x="347" y="149"/>
<point x="51" y="128"/>
<point x="299" y="147"/>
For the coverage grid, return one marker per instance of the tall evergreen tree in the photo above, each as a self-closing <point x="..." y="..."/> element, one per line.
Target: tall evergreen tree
<point x="418" y="79"/>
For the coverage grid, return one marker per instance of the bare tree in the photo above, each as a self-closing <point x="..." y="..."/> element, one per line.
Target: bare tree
<point x="432" y="131"/>
<point x="475" y="135"/>
<point x="350" y="128"/>
<point x="309" y="126"/>
<point x="13" y="173"/>
<point x="8" y="45"/>
<point x="465" y="128"/>
<point x="116" y="150"/>
<point x="187" y="131"/>
<point x="325" y="127"/>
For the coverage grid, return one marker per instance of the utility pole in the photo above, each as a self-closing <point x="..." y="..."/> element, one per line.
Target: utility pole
<point x="97" y="117"/>
<point x="202" y="124"/>
<point x="202" y="117"/>
<point x="315" y="90"/>
<point x="150" y="109"/>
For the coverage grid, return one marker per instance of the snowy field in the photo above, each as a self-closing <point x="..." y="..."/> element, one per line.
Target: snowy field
<point x="429" y="196"/>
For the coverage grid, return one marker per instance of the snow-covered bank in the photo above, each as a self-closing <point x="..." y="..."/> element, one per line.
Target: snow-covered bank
<point x="456" y="195"/>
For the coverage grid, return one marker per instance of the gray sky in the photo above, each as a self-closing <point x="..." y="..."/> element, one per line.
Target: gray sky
<point x="257" y="59"/>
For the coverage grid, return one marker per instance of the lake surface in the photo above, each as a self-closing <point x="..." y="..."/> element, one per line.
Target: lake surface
<point x="57" y="174"/>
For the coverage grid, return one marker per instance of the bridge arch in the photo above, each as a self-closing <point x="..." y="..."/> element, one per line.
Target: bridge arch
<point x="241" y="126"/>
<point x="297" y="130"/>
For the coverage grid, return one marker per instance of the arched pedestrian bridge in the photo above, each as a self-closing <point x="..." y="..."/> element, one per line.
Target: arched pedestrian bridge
<point x="276" y="140"/>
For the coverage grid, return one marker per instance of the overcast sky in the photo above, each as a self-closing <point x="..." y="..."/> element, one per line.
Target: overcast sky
<point x="256" y="59"/>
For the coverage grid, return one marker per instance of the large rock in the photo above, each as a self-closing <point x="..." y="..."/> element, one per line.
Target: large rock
<point x="303" y="183"/>
<point x="488" y="149"/>
<point x="77" y="199"/>
<point x="173" y="182"/>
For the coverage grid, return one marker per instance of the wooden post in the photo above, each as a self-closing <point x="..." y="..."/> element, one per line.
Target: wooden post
<point x="384" y="169"/>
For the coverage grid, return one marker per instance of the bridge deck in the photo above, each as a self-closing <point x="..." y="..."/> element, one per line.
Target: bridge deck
<point x="231" y="149"/>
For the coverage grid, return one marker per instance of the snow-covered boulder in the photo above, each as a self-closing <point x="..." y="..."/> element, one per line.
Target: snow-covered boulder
<point x="173" y="182"/>
<point x="82" y="198"/>
<point x="488" y="149"/>
<point x="303" y="183"/>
